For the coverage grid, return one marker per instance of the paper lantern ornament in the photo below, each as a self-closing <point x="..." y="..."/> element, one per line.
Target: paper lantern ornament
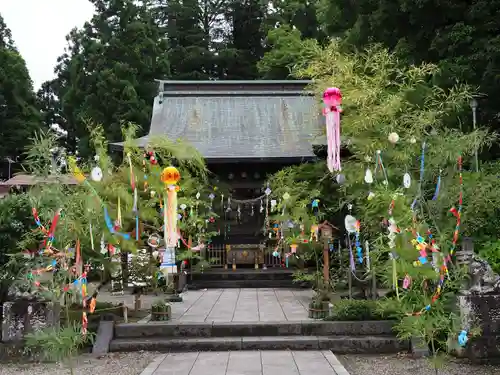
<point x="350" y="223"/>
<point x="170" y="176"/>
<point x="393" y="138"/>
<point x="96" y="174"/>
<point x="340" y="179"/>
<point x="368" y="176"/>
<point x="407" y="180"/>
<point x="332" y="98"/>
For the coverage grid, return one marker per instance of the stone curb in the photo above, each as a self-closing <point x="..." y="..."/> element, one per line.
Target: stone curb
<point x="339" y="344"/>
<point x="237" y="329"/>
<point x="335" y="363"/>
<point x="153" y="366"/>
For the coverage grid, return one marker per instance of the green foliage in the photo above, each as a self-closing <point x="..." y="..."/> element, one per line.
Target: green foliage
<point x="15" y="221"/>
<point x="58" y="344"/>
<point x="451" y="34"/>
<point x="359" y="310"/>
<point x="287" y="48"/>
<point x="490" y="251"/>
<point x="82" y="206"/>
<point x="108" y="74"/>
<point x="19" y="117"/>
<point x="381" y="96"/>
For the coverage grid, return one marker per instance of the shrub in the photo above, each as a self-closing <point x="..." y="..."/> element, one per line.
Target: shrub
<point x="358" y="310"/>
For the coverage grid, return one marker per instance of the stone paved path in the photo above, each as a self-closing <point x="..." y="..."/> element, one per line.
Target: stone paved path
<point x="231" y="305"/>
<point x="247" y="363"/>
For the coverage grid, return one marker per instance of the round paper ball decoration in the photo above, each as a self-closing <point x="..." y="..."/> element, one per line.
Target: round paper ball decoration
<point x="332" y="97"/>
<point x="393" y="138"/>
<point x="350" y="223"/>
<point x="170" y="176"/>
<point x="96" y="174"/>
<point x="340" y="179"/>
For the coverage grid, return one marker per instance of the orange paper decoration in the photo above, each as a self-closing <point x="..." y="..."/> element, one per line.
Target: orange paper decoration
<point x="170" y="176"/>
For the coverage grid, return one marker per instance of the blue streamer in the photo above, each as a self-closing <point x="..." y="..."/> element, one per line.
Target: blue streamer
<point x="359" y="249"/>
<point x="137" y="228"/>
<point x="422" y="166"/>
<point x="438" y="187"/>
<point x="111" y="228"/>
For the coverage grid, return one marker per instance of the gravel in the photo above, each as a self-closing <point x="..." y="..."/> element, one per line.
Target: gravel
<point x="405" y="365"/>
<point x="115" y="363"/>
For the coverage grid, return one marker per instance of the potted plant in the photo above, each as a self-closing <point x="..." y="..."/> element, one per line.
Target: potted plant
<point x="320" y="305"/>
<point x="161" y="311"/>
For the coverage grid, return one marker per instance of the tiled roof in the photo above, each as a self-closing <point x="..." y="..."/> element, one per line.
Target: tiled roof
<point x="241" y="120"/>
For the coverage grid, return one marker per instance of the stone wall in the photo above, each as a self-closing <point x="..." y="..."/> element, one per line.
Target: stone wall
<point x="24" y="316"/>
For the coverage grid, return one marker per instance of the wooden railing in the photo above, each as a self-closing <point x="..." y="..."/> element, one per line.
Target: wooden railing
<point x="221" y="255"/>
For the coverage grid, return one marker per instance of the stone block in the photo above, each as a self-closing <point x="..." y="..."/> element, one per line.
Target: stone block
<point x="103" y="338"/>
<point x="21" y="317"/>
<point x="280" y="343"/>
<point x="483" y="311"/>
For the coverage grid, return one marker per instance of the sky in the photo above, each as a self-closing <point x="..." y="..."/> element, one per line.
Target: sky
<point x="39" y="28"/>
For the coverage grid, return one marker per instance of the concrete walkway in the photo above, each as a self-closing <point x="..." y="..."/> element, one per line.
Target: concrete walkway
<point x="247" y="363"/>
<point x="231" y="305"/>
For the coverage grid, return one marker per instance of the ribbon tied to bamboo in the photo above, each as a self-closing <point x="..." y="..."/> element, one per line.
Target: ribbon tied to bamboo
<point x="170" y="176"/>
<point x="332" y="98"/>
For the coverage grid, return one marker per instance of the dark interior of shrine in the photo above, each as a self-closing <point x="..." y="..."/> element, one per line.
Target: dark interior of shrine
<point x="242" y="211"/>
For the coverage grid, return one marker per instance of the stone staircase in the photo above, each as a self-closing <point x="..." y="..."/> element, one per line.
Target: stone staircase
<point x="245" y="278"/>
<point x="339" y="337"/>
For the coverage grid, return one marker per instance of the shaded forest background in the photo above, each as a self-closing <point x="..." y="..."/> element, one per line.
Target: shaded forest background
<point x="107" y="72"/>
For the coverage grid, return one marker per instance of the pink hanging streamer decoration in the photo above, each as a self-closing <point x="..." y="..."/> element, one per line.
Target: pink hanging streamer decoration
<point x="332" y="98"/>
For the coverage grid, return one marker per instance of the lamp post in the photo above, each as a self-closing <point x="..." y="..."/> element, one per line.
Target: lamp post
<point x="10" y="161"/>
<point x="473" y="106"/>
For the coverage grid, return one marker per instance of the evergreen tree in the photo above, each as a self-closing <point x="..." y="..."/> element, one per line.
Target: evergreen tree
<point x="108" y="72"/>
<point x="461" y="37"/>
<point x="244" y="44"/>
<point x="286" y="25"/>
<point x="189" y="40"/>
<point x="19" y="118"/>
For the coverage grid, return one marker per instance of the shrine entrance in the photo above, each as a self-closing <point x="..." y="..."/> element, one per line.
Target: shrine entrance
<point x="242" y="241"/>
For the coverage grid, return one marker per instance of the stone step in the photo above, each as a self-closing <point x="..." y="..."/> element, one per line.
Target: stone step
<point x="277" y="273"/>
<point x="252" y="284"/>
<point x="337" y="344"/>
<point x="252" y="329"/>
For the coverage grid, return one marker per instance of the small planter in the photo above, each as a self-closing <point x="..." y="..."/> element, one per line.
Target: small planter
<point x="161" y="312"/>
<point x="319" y="311"/>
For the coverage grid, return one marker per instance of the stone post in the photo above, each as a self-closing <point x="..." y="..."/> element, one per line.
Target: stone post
<point x="25" y="316"/>
<point x="464" y="256"/>
<point x="479" y="307"/>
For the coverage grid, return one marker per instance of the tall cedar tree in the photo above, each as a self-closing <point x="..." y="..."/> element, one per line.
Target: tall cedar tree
<point x="108" y="72"/>
<point x="19" y="118"/>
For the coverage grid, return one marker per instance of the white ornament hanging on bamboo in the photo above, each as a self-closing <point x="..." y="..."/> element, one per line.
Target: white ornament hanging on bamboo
<point x="96" y="174"/>
<point x="368" y="176"/>
<point x="407" y="180"/>
<point x="393" y="138"/>
<point x="350" y="224"/>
